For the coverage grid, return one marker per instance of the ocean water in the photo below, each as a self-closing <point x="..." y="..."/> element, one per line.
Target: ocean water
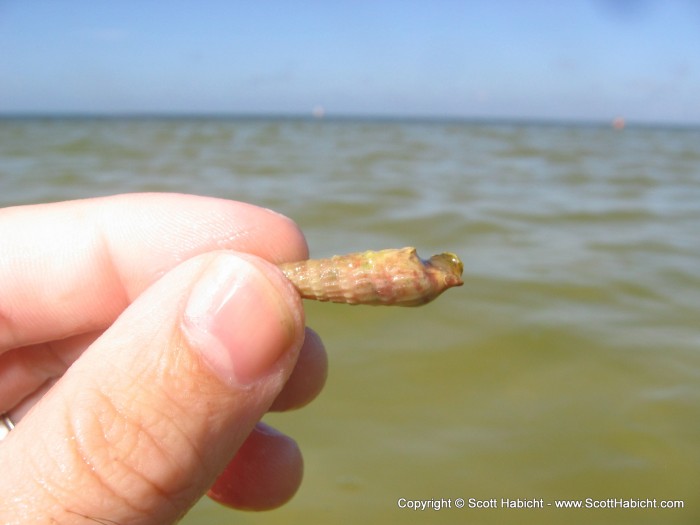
<point x="568" y="365"/>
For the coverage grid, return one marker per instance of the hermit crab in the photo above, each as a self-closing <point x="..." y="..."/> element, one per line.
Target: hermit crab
<point x="386" y="277"/>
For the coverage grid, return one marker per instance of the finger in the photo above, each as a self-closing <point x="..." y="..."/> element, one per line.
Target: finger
<point x="143" y="422"/>
<point x="72" y="267"/>
<point x="265" y="474"/>
<point x="24" y="370"/>
<point x="308" y="377"/>
<point x="17" y="412"/>
<point x="35" y="369"/>
<point x="32" y="370"/>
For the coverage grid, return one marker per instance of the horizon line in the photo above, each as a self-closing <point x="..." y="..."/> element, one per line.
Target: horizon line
<point x="359" y="117"/>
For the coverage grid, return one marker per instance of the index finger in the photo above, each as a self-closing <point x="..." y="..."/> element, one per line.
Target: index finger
<point x="72" y="267"/>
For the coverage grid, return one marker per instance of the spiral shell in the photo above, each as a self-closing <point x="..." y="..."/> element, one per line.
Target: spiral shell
<point x="386" y="277"/>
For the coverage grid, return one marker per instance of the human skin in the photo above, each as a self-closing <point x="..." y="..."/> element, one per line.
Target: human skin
<point x="142" y="339"/>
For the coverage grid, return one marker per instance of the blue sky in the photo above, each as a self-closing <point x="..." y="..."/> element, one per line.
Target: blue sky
<point x="570" y="59"/>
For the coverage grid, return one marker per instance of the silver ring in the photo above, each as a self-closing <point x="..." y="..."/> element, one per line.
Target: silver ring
<point x="6" y="425"/>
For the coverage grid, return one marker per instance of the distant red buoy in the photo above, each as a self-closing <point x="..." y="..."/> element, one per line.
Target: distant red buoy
<point x="618" y="123"/>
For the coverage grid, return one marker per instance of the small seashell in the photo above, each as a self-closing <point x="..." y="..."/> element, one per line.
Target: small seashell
<point x="386" y="277"/>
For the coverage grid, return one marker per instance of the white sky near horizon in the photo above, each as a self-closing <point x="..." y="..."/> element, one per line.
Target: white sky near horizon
<point x="573" y="60"/>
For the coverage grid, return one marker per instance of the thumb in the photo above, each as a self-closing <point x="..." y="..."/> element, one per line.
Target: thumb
<point x="141" y="425"/>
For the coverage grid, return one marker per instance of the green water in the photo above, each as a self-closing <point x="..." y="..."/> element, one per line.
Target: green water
<point x="567" y="367"/>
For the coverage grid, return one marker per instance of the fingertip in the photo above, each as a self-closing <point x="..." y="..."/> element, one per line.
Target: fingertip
<point x="287" y="228"/>
<point x="242" y="318"/>
<point x="265" y="473"/>
<point x="308" y="377"/>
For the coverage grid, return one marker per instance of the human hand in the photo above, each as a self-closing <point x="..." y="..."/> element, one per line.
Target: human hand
<point x="138" y="352"/>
